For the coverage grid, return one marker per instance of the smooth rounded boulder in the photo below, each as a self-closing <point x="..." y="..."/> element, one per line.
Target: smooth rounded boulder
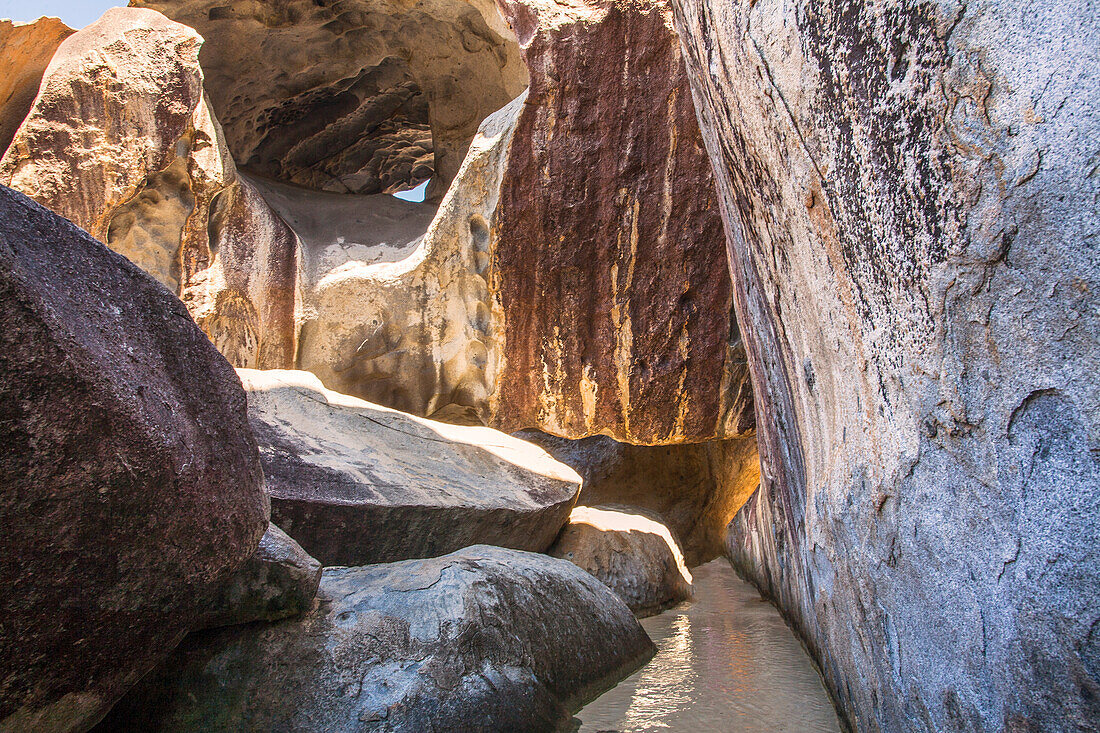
<point x="629" y="550"/>
<point x="357" y="483"/>
<point x="482" y="639"/>
<point x="131" y="481"/>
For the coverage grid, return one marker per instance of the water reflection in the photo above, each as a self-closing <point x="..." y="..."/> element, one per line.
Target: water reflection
<point x="726" y="662"/>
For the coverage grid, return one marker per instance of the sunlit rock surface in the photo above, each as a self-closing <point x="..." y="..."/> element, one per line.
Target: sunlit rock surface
<point x="396" y="303"/>
<point x="357" y="483"/>
<point x="911" y="199"/>
<point x="481" y="639"/>
<point x="121" y="141"/>
<point x="696" y="488"/>
<point x="131" y="482"/>
<point x="629" y="550"/>
<point x="608" y="269"/>
<point x="356" y="96"/>
<point x="25" y="50"/>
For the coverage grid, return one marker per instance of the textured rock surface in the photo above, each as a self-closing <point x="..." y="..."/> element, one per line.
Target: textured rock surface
<point x="911" y="199"/>
<point x="696" y="488"/>
<point x="608" y="265"/>
<point x="131" y="482"/>
<point x="279" y="580"/>
<point x="357" y="96"/>
<point x="356" y="483"/>
<point x="482" y="639"/>
<point x="121" y="142"/>
<point x="629" y="550"/>
<point x="394" y="314"/>
<point x="25" y="50"/>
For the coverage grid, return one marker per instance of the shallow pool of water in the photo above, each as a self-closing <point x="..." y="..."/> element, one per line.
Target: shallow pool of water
<point x="725" y="662"/>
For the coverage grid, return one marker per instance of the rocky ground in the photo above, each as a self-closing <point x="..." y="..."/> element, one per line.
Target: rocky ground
<point x="807" y="284"/>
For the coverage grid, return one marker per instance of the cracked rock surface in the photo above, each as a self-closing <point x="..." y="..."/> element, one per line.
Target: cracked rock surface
<point x="357" y="483"/>
<point x="481" y="639"/>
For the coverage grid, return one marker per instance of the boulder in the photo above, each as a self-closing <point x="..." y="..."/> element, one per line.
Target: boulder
<point x="122" y="142"/>
<point x="278" y="581"/>
<point x="361" y="96"/>
<point x="608" y="268"/>
<point x="910" y="199"/>
<point x="25" y="50"/>
<point x="357" y="483"/>
<point x="696" y="488"/>
<point x="132" y="483"/>
<point x="629" y="550"/>
<point x="481" y="639"/>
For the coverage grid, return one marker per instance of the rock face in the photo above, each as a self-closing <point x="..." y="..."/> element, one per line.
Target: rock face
<point x="357" y="96"/>
<point x="121" y="141"/>
<point x="482" y="639"/>
<point x="278" y="581"/>
<point x="910" y="196"/>
<point x="696" y="488"/>
<point x="356" y="483"/>
<point x="629" y="550"/>
<point x="25" y="50"/>
<point x="394" y="314"/>
<point x="607" y="266"/>
<point x="132" y="484"/>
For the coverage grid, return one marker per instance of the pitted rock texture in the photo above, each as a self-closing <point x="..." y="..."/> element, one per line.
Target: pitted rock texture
<point x="608" y="267"/>
<point x="696" y="488"/>
<point x="121" y="141"/>
<point x="131" y="482"/>
<point x="25" y="50"/>
<point x="482" y="639"/>
<point x="396" y="303"/>
<point x="356" y="96"/>
<point x="279" y="580"/>
<point x="629" y="550"/>
<point x="911" y="199"/>
<point x="356" y="483"/>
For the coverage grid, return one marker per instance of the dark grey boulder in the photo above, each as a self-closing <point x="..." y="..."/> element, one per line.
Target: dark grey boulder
<point x="130" y="484"/>
<point x="483" y="639"/>
<point x="278" y="581"/>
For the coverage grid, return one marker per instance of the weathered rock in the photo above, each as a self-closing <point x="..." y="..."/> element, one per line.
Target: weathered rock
<point x="467" y="324"/>
<point x="356" y="483"/>
<point x="395" y="315"/>
<point x="121" y="141"/>
<point x="482" y="639"/>
<point x="131" y="481"/>
<point x="608" y="267"/>
<point x="25" y="50"/>
<point x="629" y="550"/>
<point x="696" y="488"/>
<point x="278" y="581"/>
<point x="354" y="97"/>
<point x="911" y="201"/>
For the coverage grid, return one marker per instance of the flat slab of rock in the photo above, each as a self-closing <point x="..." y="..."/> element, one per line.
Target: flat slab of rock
<point x="357" y="483"/>
<point x="482" y="639"/>
<point x="278" y="581"/>
<point x="629" y="550"/>
<point x="131" y="482"/>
